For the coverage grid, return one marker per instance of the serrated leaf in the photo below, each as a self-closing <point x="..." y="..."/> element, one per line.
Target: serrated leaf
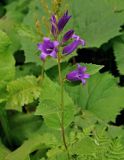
<point x="49" y="106"/>
<point x="22" y="91"/>
<point x="118" y="44"/>
<point x="95" y="21"/>
<point x="101" y="95"/>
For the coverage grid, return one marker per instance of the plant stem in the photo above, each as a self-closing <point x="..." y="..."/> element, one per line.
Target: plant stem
<point x="62" y="105"/>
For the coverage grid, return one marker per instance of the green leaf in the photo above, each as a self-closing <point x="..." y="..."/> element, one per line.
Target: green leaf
<point x="49" y="106"/>
<point x="118" y="44"/>
<point x="23" y="126"/>
<point x="95" y="21"/>
<point x="35" y="142"/>
<point x="29" y="40"/>
<point x="86" y="146"/>
<point x="28" y="69"/>
<point x="7" y="62"/>
<point x="100" y="95"/>
<point x="22" y="91"/>
<point x="3" y="151"/>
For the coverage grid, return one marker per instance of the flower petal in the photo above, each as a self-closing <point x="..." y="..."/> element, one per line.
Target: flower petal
<point x="63" y="20"/>
<point x="43" y="56"/>
<point x="70" y="48"/>
<point x="56" y="43"/>
<point x="86" y="75"/>
<point x="53" y="54"/>
<point x="83" y="81"/>
<point x="81" y="69"/>
<point x="72" y="76"/>
<point x="40" y="46"/>
<point x="67" y="35"/>
<point x="46" y="39"/>
<point x="54" y="27"/>
<point x="81" y="41"/>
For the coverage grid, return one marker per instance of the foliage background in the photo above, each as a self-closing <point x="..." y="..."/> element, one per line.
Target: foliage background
<point x="29" y="114"/>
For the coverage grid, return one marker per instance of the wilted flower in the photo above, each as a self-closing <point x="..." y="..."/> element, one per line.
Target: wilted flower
<point x="57" y="27"/>
<point x="78" y="74"/>
<point x="48" y="48"/>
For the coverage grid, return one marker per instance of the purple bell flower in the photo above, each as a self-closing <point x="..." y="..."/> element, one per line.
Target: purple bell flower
<point x="63" y="20"/>
<point x="48" y="48"/>
<point x="72" y="46"/>
<point x="78" y="74"/>
<point x="57" y="27"/>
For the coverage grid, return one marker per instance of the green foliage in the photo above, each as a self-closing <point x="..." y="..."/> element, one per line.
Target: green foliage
<point x="35" y="142"/>
<point x="5" y="57"/>
<point x="30" y="104"/>
<point x="3" y="151"/>
<point x="22" y="91"/>
<point x="94" y="24"/>
<point x="100" y="95"/>
<point x="49" y="106"/>
<point x="118" y="45"/>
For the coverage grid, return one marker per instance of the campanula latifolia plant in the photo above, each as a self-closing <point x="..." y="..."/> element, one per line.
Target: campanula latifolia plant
<point x="57" y="48"/>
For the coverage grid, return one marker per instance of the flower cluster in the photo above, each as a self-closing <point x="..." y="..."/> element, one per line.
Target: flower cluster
<point x="50" y="47"/>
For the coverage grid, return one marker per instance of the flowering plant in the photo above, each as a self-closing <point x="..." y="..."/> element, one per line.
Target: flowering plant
<point x="67" y="103"/>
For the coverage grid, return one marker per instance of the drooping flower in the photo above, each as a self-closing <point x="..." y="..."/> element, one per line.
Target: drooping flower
<point x="67" y="36"/>
<point x="78" y="74"/>
<point x="57" y="27"/>
<point x="48" y="48"/>
<point x="72" y="46"/>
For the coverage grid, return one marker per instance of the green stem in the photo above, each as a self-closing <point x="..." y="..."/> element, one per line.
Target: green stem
<point x="42" y="72"/>
<point x="62" y="105"/>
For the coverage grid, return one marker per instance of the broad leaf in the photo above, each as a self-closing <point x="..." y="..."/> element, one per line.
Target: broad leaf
<point x="22" y="91"/>
<point x="95" y="21"/>
<point x="101" y="95"/>
<point x="118" y="45"/>
<point x="49" y="106"/>
<point x="34" y="143"/>
<point x="7" y="69"/>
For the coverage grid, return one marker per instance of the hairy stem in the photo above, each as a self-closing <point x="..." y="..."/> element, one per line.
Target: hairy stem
<point x="62" y="106"/>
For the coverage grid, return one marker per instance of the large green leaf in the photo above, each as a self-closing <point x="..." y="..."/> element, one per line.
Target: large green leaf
<point x="7" y="69"/>
<point x="95" y="21"/>
<point x="22" y="91"/>
<point x="101" y="95"/>
<point x="35" y="142"/>
<point x="49" y="106"/>
<point x="118" y="45"/>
